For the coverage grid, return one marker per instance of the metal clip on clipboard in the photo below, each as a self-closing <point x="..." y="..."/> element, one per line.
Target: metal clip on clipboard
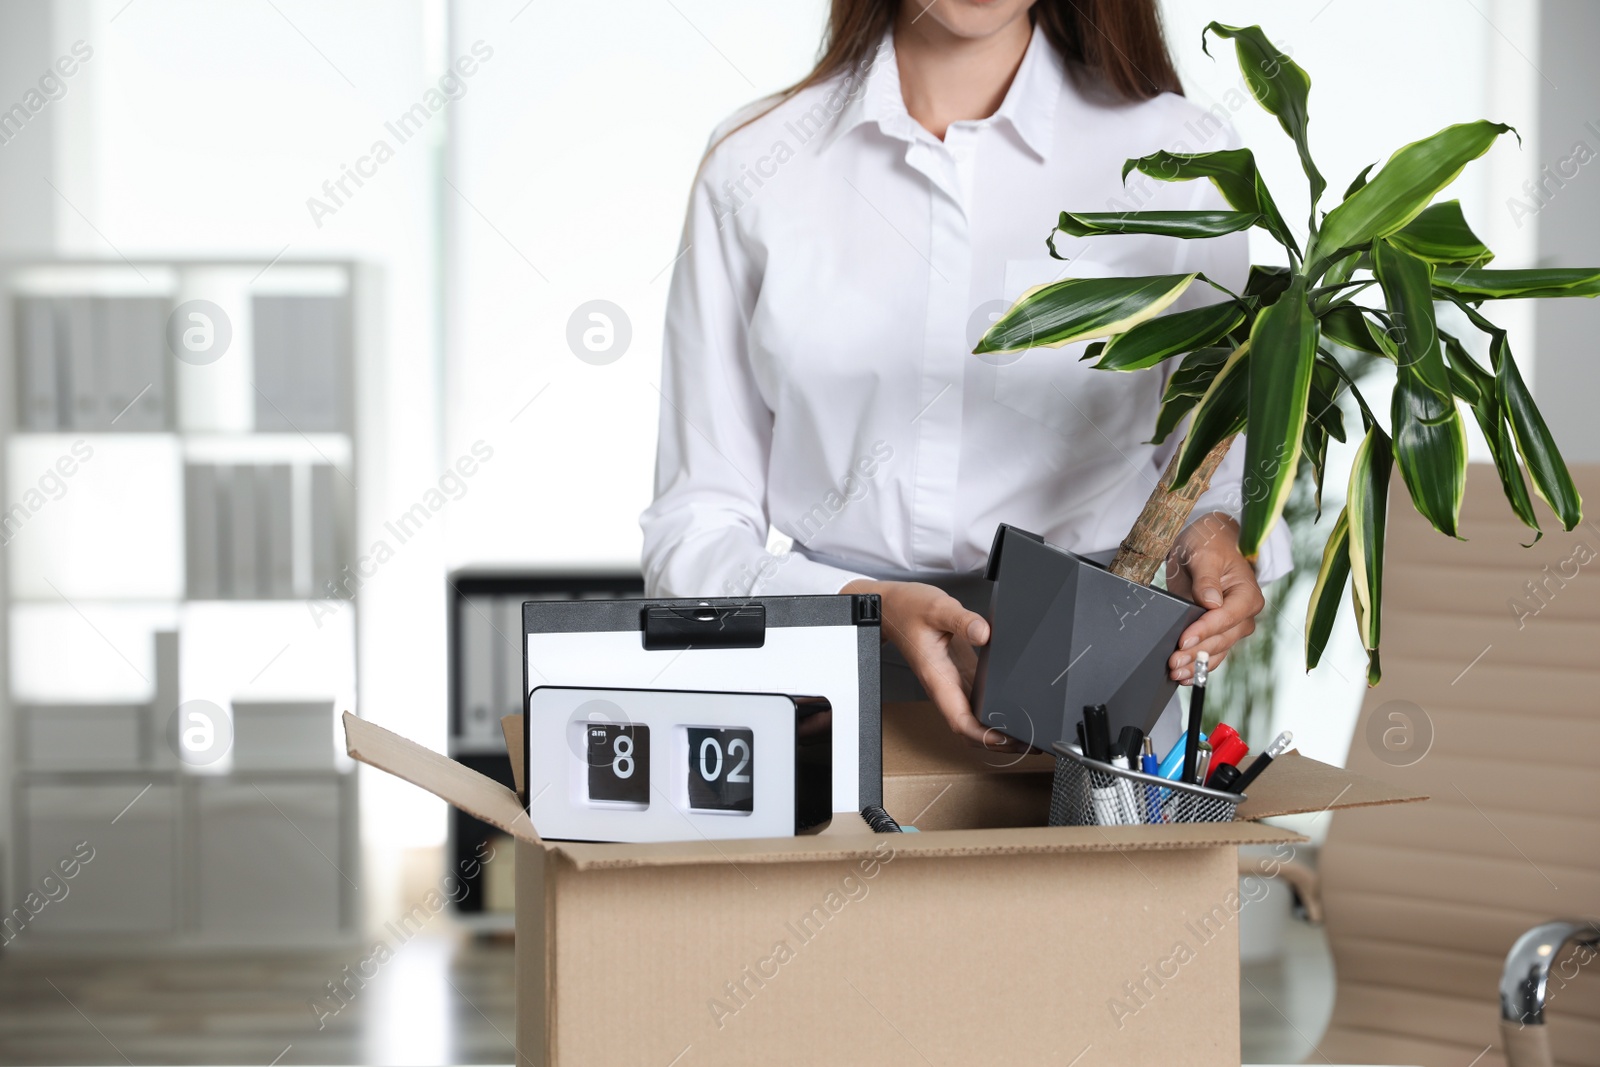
<point x="669" y="626"/>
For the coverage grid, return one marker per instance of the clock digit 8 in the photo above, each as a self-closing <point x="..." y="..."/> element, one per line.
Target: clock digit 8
<point x="670" y="765"/>
<point x="619" y="763"/>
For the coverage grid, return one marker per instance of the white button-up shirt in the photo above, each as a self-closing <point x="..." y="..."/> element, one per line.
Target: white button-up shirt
<point x="839" y="264"/>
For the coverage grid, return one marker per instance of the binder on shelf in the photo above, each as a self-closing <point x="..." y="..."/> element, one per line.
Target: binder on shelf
<point x="275" y="510"/>
<point x="36" y="364"/>
<point x="302" y="360"/>
<point x="132" y="342"/>
<point x="272" y="348"/>
<point x="327" y="541"/>
<point x="244" y="527"/>
<point x="201" y="534"/>
<point x="481" y="706"/>
<point x="512" y="697"/>
<point x="76" y="347"/>
<point x="164" y="704"/>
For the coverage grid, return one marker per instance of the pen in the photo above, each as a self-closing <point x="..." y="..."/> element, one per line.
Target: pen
<point x="1150" y="765"/>
<point x="1172" y="763"/>
<point x="1279" y="746"/>
<point x="1197" y="703"/>
<point x="1202" y="763"/>
<point x="1130" y="742"/>
<point x="1097" y="733"/>
<point x="1127" y="755"/>
<point x="1103" y="796"/>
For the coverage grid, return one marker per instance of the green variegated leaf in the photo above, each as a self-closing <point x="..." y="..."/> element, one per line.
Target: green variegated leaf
<point x="1284" y="348"/>
<point x="1387" y="340"/>
<point x="1161" y="223"/>
<point x="1197" y="371"/>
<point x="1220" y="413"/>
<point x="1154" y="340"/>
<point x="1323" y="406"/>
<point x="1266" y="284"/>
<point x="1479" y="388"/>
<point x="1233" y="171"/>
<point x="1080" y="309"/>
<point x="1471" y="283"/>
<point x="1279" y="85"/>
<point x="1185" y="388"/>
<point x="1430" y="446"/>
<point x="1314" y="449"/>
<point x="1467" y="388"/>
<point x="1546" y="469"/>
<point x="1440" y="234"/>
<point x="1407" y="289"/>
<point x="1347" y="325"/>
<point x="1359" y="180"/>
<point x="1407" y="183"/>
<point x="1324" y="420"/>
<point x="1367" y="506"/>
<point x="1332" y="577"/>
<point x="1329" y="360"/>
<point x="1343" y="269"/>
<point x="1430" y="441"/>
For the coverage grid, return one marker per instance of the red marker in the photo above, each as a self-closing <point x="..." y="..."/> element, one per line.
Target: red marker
<point x="1227" y="748"/>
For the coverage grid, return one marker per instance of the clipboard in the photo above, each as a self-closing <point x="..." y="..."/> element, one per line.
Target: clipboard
<point x="816" y="646"/>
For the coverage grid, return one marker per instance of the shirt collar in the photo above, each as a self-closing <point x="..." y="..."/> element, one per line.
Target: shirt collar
<point x="1030" y="103"/>
<point x="871" y="93"/>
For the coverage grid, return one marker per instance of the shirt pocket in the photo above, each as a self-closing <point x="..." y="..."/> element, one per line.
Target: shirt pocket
<point x="1050" y="386"/>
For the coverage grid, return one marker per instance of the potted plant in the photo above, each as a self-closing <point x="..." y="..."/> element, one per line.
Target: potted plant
<point x="1264" y="362"/>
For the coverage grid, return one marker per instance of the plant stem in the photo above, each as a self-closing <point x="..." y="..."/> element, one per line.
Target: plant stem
<point x="1150" y="541"/>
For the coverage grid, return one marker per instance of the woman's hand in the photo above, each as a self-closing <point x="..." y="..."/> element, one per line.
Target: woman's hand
<point x="1207" y="567"/>
<point x="937" y="636"/>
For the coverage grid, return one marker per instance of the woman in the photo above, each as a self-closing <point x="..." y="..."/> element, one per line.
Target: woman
<point x="845" y="247"/>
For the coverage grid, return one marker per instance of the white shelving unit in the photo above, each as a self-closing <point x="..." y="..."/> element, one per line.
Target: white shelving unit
<point x="170" y="527"/>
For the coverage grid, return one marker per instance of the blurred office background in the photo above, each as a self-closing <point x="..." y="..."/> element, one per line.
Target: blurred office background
<point x="380" y="223"/>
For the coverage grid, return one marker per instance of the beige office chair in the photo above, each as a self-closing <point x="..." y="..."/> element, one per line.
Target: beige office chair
<point x="1493" y="710"/>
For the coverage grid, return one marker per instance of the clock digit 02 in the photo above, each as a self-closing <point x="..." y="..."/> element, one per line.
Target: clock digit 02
<point x="721" y="768"/>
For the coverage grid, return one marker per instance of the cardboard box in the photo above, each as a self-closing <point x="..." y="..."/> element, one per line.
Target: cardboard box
<point x="981" y="939"/>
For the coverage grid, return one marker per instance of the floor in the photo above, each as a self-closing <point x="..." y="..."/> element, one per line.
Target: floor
<point x="1284" y="1005"/>
<point x="259" y="1010"/>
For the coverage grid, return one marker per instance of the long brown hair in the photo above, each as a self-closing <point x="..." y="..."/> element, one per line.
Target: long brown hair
<point x="1117" y="44"/>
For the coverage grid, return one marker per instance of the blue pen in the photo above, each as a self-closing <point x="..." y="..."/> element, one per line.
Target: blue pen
<point x="1172" y="763"/>
<point x="1152" y="796"/>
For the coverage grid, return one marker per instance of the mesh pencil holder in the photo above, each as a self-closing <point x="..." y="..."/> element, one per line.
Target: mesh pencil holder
<point x="1089" y="793"/>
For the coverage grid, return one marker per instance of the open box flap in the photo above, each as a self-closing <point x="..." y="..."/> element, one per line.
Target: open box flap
<point x="457" y="785"/>
<point x="1028" y="840"/>
<point x="1296" y="784"/>
<point x="512" y="726"/>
